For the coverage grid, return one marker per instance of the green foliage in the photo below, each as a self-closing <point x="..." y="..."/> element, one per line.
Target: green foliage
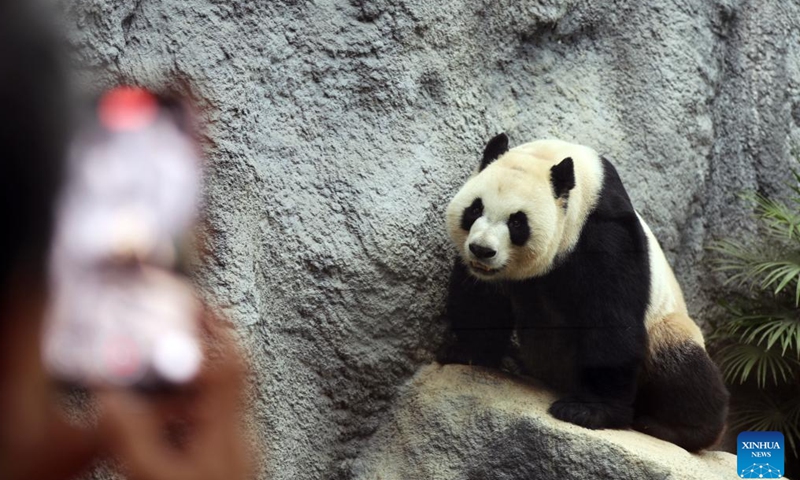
<point x="740" y="360"/>
<point x="767" y="414"/>
<point x="772" y="265"/>
<point x="759" y="340"/>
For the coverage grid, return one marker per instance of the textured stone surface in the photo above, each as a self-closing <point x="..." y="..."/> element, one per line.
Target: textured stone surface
<point x="339" y="129"/>
<point x="460" y="422"/>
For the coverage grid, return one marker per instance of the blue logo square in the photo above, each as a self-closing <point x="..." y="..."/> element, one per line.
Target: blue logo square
<point x="759" y="455"/>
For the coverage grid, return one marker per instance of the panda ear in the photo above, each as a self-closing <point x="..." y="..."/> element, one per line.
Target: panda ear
<point x="496" y="147"/>
<point x="562" y="176"/>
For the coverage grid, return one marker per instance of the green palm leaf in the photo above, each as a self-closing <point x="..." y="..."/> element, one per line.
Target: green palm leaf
<point x="766" y="269"/>
<point x="741" y="360"/>
<point x="782" y="331"/>
<point x="781" y="328"/>
<point x="781" y="221"/>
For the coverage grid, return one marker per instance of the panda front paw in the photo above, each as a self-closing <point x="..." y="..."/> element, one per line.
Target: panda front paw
<point x="592" y="413"/>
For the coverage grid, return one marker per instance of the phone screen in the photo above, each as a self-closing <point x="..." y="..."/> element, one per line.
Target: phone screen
<point x="120" y="313"/>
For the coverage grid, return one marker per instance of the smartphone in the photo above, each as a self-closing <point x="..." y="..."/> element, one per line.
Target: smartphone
<point x="120" y="311"/>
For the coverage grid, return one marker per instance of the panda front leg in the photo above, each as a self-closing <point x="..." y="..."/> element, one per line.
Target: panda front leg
<point x="608" y="365"/>
<point x="480" y="319"/>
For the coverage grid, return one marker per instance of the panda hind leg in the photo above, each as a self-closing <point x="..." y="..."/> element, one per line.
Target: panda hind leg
<point x="682" y="398"/>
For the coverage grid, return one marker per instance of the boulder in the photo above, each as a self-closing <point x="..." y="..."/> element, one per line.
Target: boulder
<point x="461" y="422"/>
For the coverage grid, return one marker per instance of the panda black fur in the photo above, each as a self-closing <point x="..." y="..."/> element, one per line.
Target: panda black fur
<point x="551" y="246"/>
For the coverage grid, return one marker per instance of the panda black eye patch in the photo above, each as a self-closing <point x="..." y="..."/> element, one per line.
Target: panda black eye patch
<point x="471" y="213"/>
<point x="518" y="228"/>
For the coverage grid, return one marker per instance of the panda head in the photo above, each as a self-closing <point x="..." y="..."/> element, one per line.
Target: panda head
<point x="511" y="219"/>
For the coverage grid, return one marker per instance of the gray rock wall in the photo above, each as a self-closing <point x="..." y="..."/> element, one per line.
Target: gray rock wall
<point x="338" y="129"/>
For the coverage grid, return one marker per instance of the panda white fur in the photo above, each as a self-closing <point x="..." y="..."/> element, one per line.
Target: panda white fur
<point x="550" y="246"/>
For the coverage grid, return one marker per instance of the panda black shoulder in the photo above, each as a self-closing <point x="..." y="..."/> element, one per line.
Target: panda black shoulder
<point x="613" y="199"/>
<point x="613" y="223"/>
<point x="613" y="249"/>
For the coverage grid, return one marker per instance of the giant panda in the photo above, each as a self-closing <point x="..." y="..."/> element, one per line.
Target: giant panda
<point x="550" y="246"/>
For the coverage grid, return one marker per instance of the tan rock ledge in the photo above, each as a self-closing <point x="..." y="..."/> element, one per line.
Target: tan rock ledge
<point x="470" y="423"/>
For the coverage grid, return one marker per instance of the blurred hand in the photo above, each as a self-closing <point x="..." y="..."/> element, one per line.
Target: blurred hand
<point x="35" y="441"/>
<point x="192" y="434"/>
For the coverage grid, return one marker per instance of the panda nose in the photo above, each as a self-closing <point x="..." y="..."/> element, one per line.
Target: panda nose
<point x="481" y="252"/>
